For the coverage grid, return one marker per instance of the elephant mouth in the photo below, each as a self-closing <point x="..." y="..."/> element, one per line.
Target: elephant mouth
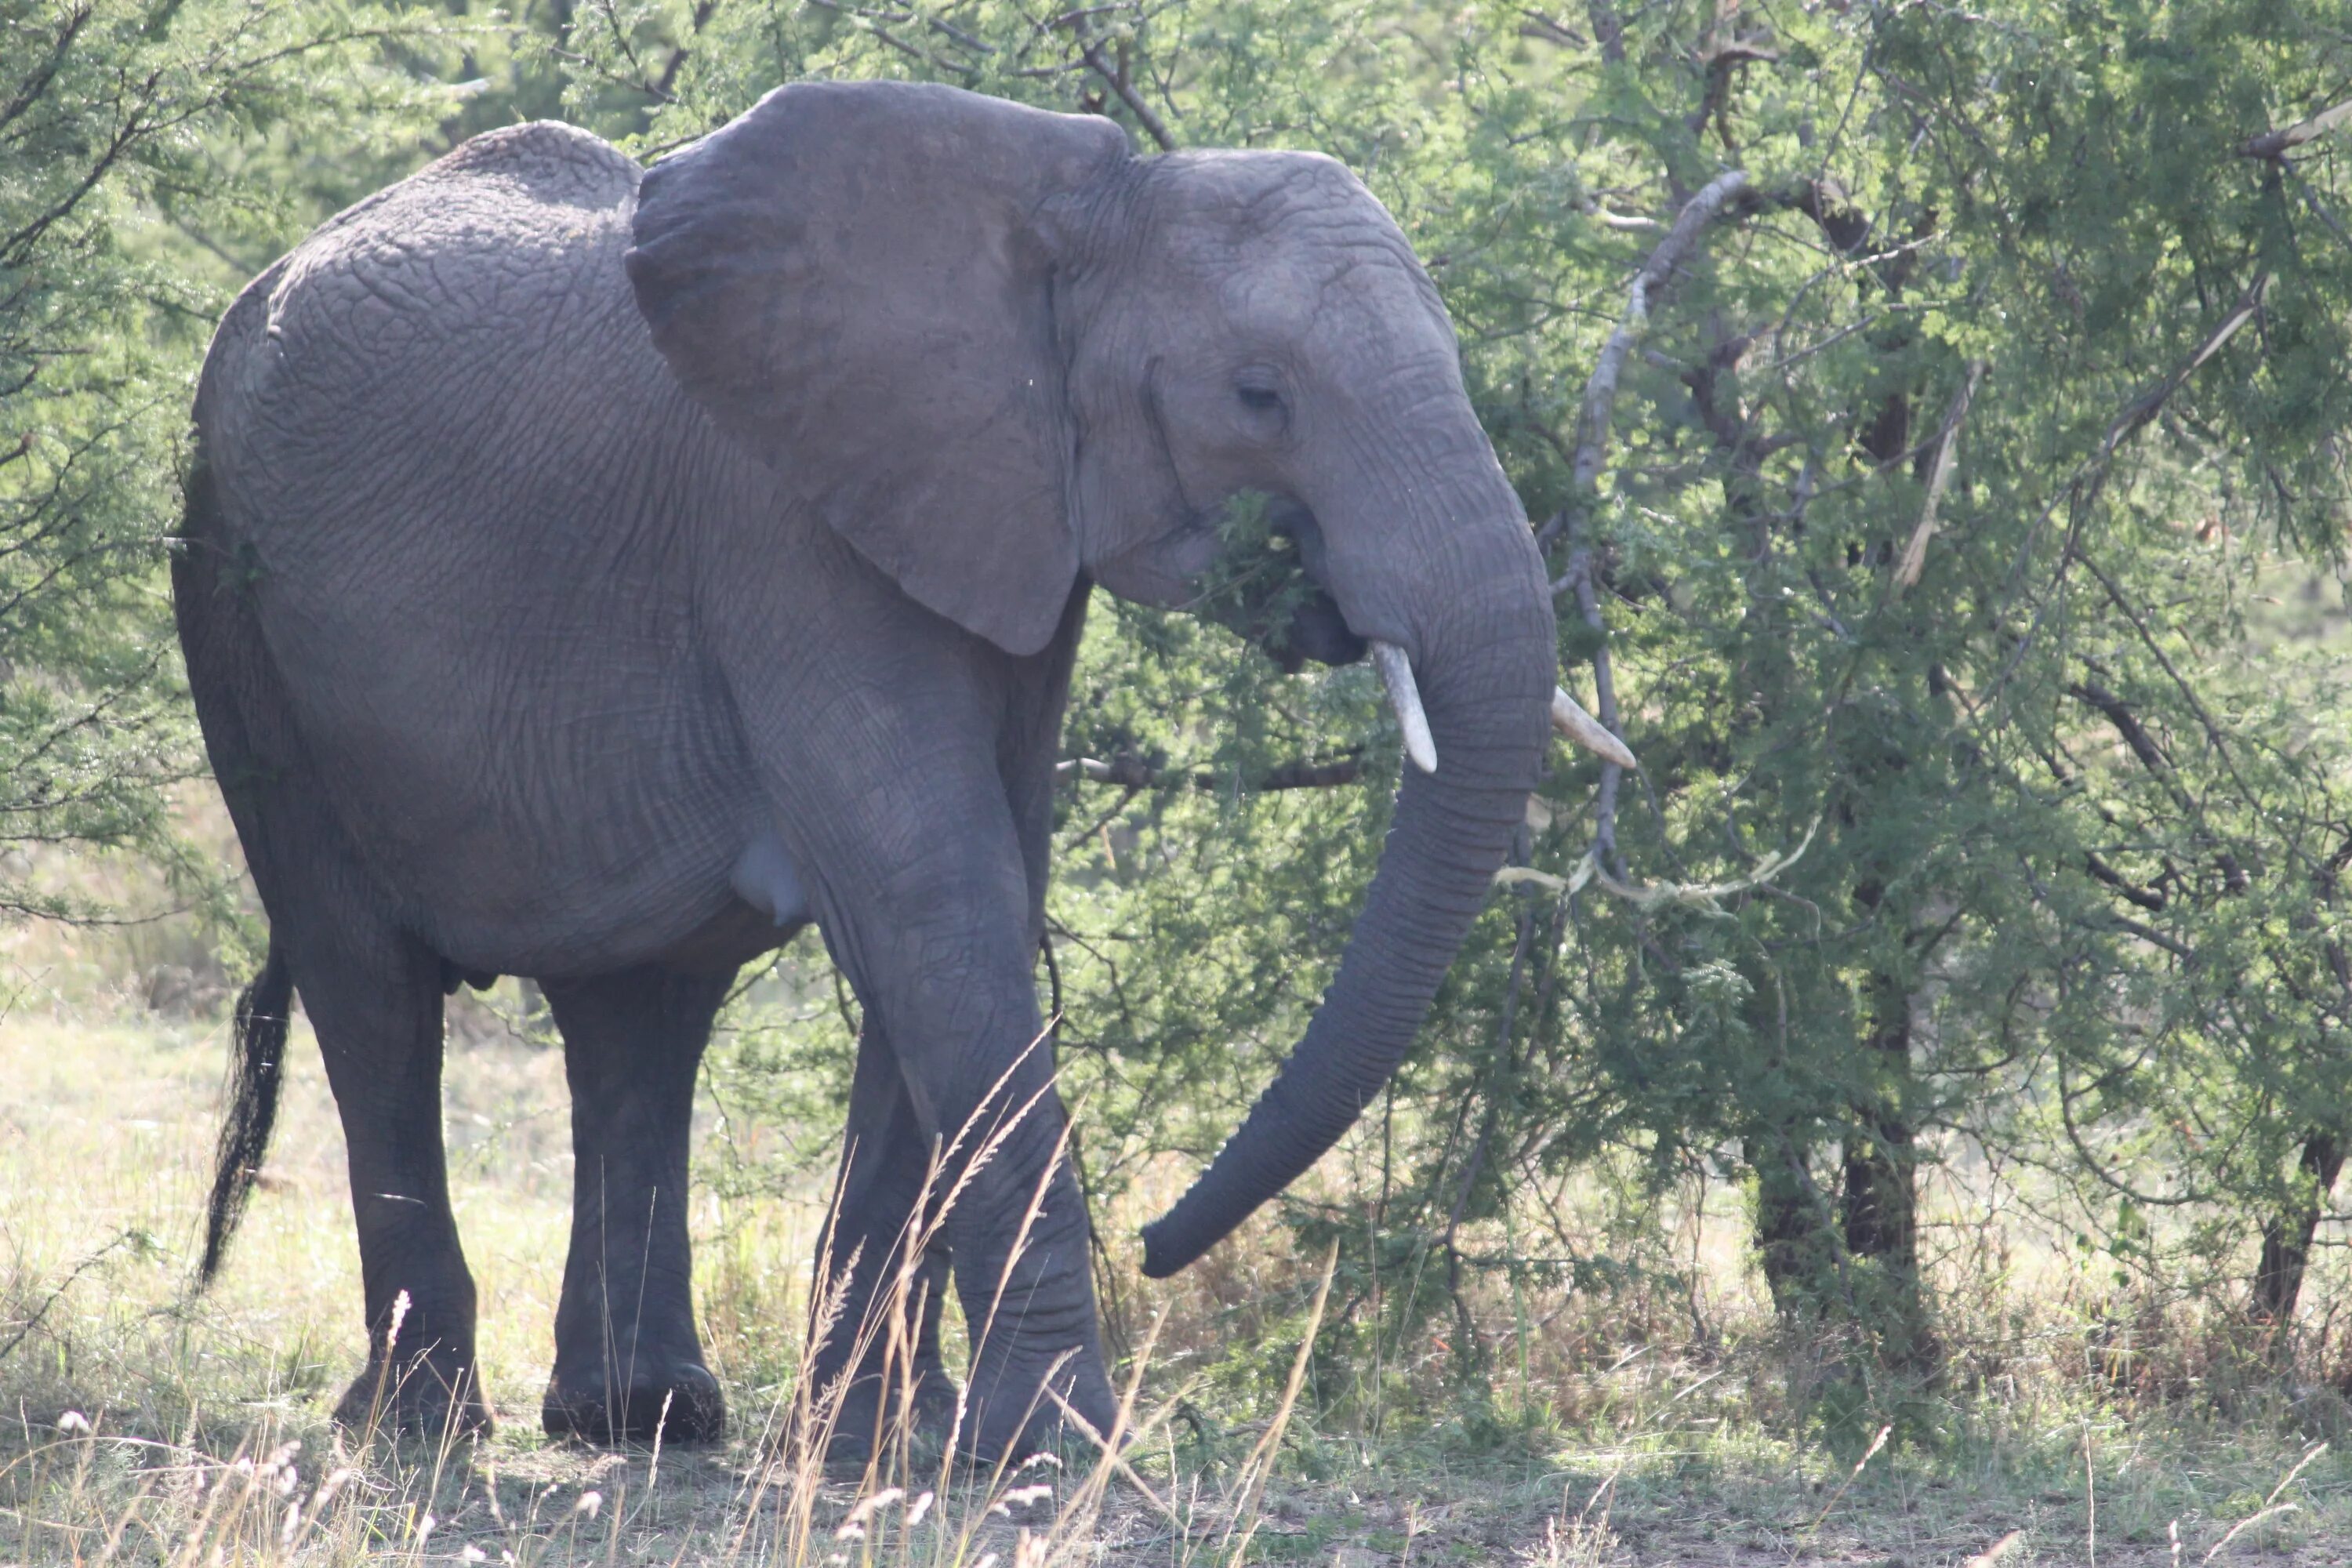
<point x="1267" y="583"/>
<point x="1316" y="631"/>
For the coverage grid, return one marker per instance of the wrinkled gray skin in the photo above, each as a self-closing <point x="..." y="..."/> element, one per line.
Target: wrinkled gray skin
<point x="598" y="578"/>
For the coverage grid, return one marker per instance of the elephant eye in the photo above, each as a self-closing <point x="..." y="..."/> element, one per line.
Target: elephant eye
<point x="1262" y="399"/>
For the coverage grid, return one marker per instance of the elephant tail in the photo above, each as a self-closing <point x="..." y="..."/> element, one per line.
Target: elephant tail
<point x="255" y="1070"/>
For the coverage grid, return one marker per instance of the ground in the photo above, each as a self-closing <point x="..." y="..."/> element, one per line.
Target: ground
<point x="153" y="1424"/>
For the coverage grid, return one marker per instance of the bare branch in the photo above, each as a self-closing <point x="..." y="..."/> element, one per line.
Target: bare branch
<point x="1649" y="285"/>
<point x="1134" y="774"/>
<point x="1914" y="555"/>
<point x="2273" y="146"/>
<point x="1145" y="115"/>
<point x="1604" y="686"/>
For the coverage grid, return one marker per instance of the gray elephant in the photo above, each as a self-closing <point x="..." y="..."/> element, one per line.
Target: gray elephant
<point x="598" y="576"/>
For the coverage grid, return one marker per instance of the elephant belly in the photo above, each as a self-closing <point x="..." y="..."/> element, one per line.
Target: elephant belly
<point x="516" y="843"/>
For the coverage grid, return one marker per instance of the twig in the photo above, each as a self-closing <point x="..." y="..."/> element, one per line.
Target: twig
<point x="1259" y="1466"/>
<point x="1868" y="1454"/>
<point x="84" y="1267"/>
<point x="2271" y="1507"/>
<point x="2090" y="1501"/>
<point x="1996" y="1551"/>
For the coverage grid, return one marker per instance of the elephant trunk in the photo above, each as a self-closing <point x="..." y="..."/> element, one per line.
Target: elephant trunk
<point x="1481" y="639"/>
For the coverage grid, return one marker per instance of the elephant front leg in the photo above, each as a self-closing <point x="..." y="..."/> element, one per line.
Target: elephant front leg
<point x="627" y="1359"/>
<point x="881" y="1276"/>
<point x="948" y="970"/>
<point x="1021" y="1244"/>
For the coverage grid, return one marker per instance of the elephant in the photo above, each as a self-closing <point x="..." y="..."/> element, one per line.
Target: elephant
<point x="599" y="573"/>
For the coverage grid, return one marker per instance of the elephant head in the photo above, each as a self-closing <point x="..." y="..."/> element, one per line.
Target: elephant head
<point x="998" y="352"/>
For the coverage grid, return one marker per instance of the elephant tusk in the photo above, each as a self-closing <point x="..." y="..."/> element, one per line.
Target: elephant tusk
<point x="1396" y="674"/>
<point x="1582" y="728"/>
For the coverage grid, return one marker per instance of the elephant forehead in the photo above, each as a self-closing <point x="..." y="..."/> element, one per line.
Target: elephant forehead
<point x="1288" y="289"/>
<point x="1279" y="237"/>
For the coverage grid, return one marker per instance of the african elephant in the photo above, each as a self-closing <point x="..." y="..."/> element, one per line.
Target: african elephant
<point x="597" y="576"/>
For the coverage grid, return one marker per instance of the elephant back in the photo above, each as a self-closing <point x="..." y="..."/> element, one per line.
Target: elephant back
<point x="448" y="318"/>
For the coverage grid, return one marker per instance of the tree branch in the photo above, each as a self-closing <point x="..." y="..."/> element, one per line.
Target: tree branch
<point x="1133" y="773"/>
<point x="1604" y="690"/>
<point x="1607" y="31"/>
<point x="1144" y="114"/>
<point x="1914" y="555"/>
<point x="1649" y="285"/>
<point x="2275" y="145"/>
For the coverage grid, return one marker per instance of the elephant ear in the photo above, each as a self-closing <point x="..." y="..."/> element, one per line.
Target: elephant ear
<point x="854" y="281"/>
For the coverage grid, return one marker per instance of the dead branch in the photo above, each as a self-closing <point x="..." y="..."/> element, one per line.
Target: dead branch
<point x="1649" y="285"/>
<point x="1145" y="115"/>
<point x="2151" y="402"/>
<point x="1914" y="555"/>
<point x="2275" y="145"/>
<point x="1604" y="688"/>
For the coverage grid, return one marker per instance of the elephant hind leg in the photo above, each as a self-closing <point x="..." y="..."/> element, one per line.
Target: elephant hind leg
<point x="374" y="1001"/>
<point x="875" y="1371"/>
<point x="627" y="1359"/>
<point x="373" y="994"/>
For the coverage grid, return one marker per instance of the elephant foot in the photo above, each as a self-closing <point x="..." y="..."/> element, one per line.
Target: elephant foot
<point x="1012" y="1416"/>
<point x="419" y="1398"/>
<point x="875" y="1415"/>
<point x="680" y="1402"/>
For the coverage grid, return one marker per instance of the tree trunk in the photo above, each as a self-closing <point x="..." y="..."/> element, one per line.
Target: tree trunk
<point x="1880" y="1216"/>
<point x="1793" y="1240"/>
<point x="2286" y="1237"/>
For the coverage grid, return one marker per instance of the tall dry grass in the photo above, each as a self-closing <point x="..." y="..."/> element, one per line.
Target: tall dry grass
<point x="140" y="1424"/>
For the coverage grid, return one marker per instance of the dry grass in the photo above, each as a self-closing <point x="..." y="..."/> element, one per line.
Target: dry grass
<point x="145" y="1425"/>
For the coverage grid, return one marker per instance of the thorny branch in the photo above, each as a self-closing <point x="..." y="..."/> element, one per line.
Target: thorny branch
<point x="51" y="1300"/>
